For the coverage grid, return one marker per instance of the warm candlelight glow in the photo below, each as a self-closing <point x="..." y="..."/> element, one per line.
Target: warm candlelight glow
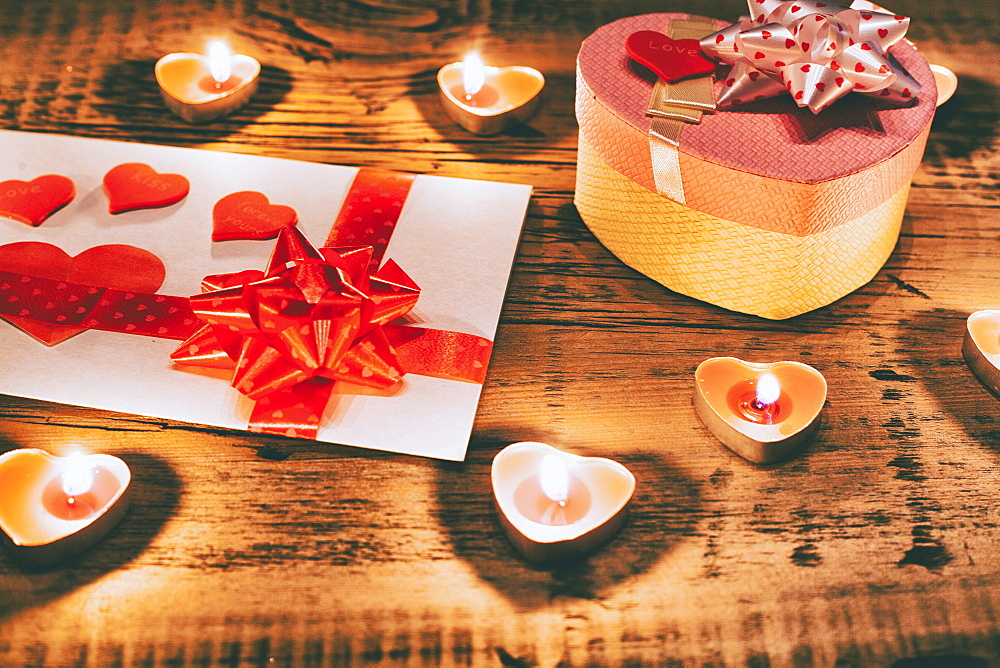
<point x="219" y="61"/>
<point x="768" y="390"/>
<point x="555" y="479"/>
<point x="72" y="494"/>
<point x="473" y="74"/>
<point x="77" y="478"/>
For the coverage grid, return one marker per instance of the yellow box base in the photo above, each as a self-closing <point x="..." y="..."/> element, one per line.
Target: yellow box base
<point x="728" y="264"/>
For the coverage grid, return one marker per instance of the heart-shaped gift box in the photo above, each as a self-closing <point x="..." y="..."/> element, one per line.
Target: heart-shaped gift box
<point x="764" y="208"/>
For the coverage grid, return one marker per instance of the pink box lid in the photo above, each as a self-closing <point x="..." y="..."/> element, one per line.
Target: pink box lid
<point x="772" y="138"/>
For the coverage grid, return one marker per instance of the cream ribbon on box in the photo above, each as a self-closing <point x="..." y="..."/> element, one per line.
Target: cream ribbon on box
<point x="671" y="106"/>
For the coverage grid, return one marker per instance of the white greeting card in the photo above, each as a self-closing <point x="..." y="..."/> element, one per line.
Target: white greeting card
<point x="456" y="239"/>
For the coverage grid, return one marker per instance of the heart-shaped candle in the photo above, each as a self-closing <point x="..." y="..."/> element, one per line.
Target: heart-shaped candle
<point x="249" y="215"/>
<point x="200" y="89"/>
<point x="671" y="59"/>
<point x="53" y="507"/>
<point x="33" y="201"/>
<point x="554" y="504"/>
<point x="981" y="348"/>
<point x="762" y="412"/>
<point x="484" y="100"/>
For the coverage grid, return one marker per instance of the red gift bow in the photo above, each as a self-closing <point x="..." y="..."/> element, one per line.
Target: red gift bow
<point x="313" y="318"/>
<point x="817" y="51"/>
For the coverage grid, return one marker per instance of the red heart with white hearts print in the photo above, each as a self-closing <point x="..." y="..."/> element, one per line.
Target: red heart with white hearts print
<point x="134" y="185"/>
<point x="111" y="266"/>
<point x="671" y="59"/>
<point x="33" y="201"/>
<point x="249" y="215"/>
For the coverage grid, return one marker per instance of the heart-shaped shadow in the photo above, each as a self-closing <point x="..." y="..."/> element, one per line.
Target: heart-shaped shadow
<point x="155" y="491"/>
<point x="664" y="509"/>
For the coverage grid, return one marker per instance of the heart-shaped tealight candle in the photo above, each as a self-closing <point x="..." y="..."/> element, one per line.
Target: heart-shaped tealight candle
<point x="201" y="88"/>
<point x="554" y="504"/>
<point x="762" y="412"/>
<point x="484" y="100"/>
<point x="53" y="507"/>
<point x="981" y="348"/>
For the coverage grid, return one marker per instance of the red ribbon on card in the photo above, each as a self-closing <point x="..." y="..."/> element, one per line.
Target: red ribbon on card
<point x="318" y="317"/>
<point x="312" y="319"/>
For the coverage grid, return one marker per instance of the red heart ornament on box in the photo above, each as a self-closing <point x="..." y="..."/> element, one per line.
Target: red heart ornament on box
<point x="134" y="185"/>
<point x="671" y="59"/>
<point x="249" y="215"/>
<point x="111" y="266"/>
<point x="33" y="201"/>
<point x="43" y="523"/>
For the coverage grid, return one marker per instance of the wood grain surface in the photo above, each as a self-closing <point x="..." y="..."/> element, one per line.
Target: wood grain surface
<point x="877" y="546"/>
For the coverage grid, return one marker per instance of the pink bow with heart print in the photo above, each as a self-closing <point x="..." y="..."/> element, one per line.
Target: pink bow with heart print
<point x="817" y="51"/>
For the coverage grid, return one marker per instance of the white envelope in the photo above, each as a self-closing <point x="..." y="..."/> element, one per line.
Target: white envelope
<point x="456" y="238"/>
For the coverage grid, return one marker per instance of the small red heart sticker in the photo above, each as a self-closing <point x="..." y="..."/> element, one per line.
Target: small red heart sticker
<point x="33" y="201"/>
<point x="671" y="59"/>
<point x="111" y="266"/>
<point x="135" y="185"/>
<point x="249" y="215"/>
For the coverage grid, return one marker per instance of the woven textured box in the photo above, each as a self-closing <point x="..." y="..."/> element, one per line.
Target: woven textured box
<point x="764" y="209"/>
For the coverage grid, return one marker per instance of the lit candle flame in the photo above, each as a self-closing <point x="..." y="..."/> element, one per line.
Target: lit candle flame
<point x="77" y="477"/>
<point x="473" y="73"/>
<point x="554" y="479"/>
<point x="768" y="389"/>
<point x="219" y="61"/>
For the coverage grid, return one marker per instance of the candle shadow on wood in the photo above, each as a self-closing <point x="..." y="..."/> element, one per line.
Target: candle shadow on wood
<point x="129" y="92"/>
<point x="156" y="491"/>
<point x="945" y="375"/>
<point x="553" y="120"/>
<point x="965" y="125"/>
<point x="665" y="509"/>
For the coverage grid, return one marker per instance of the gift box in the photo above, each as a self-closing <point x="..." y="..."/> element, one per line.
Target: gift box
<point x="762" y="207"/>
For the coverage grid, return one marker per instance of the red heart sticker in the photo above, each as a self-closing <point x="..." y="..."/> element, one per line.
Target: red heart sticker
<point x="671" y="59"/>
<point x="111" y="266"/>
<point x="134" y="185"/>
<point x="33" y="201"/>
<point x="249" y="215"/>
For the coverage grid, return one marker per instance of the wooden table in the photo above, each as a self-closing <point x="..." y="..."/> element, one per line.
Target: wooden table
<point x="874" y="547"/>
